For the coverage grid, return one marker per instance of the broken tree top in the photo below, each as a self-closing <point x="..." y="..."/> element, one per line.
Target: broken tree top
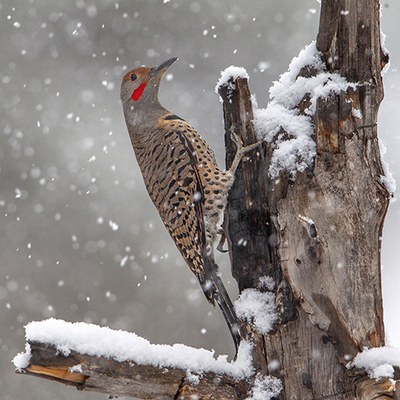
<point x="295" y="151"/>
<point x="122" y="346"/>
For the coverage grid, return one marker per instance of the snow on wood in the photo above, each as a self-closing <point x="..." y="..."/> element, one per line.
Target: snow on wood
<point x="258" y="307"/>
<point x="379" y="362"/>
<point x="283" y="123"/>
<point x="386" y="53"/>
<point x="21" y="360"/>
<point x="122" y="346"/>
<point x="387" y="179"/>
<point x="228" y="76"/>
<point x="265" y="388"/>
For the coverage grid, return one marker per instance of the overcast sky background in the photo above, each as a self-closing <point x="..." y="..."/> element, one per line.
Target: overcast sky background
<point x="80" y="239"/>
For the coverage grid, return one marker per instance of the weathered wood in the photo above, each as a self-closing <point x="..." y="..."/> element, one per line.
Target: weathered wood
<point x="251" y="223"/>
<point x="127" y="378"/>
<point x="238" y="116"/>
<point x="327" y="274"/>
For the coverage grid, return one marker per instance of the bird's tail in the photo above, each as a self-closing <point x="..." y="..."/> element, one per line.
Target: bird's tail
<point x="215" y="291"/>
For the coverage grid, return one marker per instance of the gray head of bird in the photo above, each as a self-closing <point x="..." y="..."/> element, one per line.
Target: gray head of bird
<point x="140" y="86"/>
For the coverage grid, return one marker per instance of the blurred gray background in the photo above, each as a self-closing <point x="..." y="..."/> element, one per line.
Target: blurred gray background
<point x="79" y="238"/>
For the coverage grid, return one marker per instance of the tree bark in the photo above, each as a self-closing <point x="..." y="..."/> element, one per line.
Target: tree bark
<point x="319" y="237"/>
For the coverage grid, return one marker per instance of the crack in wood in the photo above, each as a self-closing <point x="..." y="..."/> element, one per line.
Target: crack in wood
<point x="178" y="392"/>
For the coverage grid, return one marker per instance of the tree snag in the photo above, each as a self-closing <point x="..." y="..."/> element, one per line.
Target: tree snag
<point x="319" y="236"/>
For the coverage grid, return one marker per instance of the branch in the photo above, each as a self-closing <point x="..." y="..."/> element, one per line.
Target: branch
<point x="115" y="378"/>
<point x="120" y="363"/>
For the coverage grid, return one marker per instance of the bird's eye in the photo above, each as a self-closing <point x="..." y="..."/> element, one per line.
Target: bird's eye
<point x="133" y="77"/>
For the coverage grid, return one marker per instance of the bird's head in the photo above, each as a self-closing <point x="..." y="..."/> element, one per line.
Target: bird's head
<point x="141" y="84"/>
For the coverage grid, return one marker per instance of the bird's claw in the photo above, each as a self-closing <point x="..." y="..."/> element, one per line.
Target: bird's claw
<point x="241" y="151"/>
<point x="237" y="140"/>
<point x="222" y="240"/>
<point x="241" y="148"/>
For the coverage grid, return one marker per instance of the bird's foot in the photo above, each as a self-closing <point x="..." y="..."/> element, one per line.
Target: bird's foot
<point x="239" y="144"/>
<point x="222" y="240"/>
<point x="237" y="140"/>
<point x="241" y="150"/>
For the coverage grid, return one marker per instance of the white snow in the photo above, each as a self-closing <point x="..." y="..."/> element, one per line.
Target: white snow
<point x="258" y="307"/>
<point x="385" y="52"/>
<point x="228" y="75"/>
<point x="265" y="388"/>
<point x="113" y="225"/>
<point x="125" y="346"/>
<point x="123" y="261"/>
<point x="193" y="378"/>
<point x="356" y="113"/>
<point x="281" y="122"/>
<point x="266" y="282"/>
<point x="378" y="361"/>
<point x="21" y="360"/>
<point x="76" y="368"/>
<point x="387" y="179"/>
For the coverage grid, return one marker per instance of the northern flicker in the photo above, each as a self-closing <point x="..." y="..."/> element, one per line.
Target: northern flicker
<point x="182" y="178"/>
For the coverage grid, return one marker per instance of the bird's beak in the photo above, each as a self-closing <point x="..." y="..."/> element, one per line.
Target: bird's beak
<point x="160" y="69"/>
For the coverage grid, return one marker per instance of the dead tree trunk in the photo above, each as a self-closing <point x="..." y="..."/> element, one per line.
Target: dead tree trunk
<point x="326" y="266"/>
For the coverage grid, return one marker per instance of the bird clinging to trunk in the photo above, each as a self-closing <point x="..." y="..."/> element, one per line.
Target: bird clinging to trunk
<point x="183" y="180"/>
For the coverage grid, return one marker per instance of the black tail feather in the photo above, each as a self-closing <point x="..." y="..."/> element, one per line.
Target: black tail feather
<point x="215" y="291"/>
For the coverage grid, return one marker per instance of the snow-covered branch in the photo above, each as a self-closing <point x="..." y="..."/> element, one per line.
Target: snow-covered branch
<point x="120" y="363"/>
<point x="125" y="378"/>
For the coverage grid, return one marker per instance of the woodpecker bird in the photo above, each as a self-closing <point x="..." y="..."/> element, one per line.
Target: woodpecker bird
<point x="182" y="178"/>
